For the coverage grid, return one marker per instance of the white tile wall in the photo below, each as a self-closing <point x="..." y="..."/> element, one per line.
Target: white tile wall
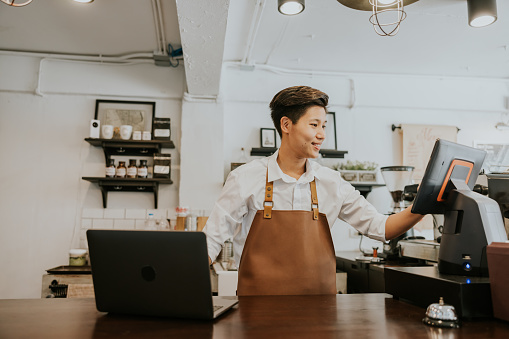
<point x="83" y="239"/>
<point x="158" y="214"/>
<point x="114" y="213"/>
<point x="140" y="224"/>
<point x="135" y="214"/>
<point x="123" y="224"/>
<point x="102" y="223"/>
<point x="86" y="224"/>
<point x="118" y="218"/>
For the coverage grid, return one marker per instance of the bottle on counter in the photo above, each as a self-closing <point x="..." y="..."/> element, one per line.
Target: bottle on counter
<point x="142" y="169"/>
<point x="150" y="222"/>
<point x="132" y="170"/>
<point x="121" y="170"/>
<point x="227" y="252"/>
<point x="163" y="224"/>
<point x="110" y="169"/>
<point x="191" y="224"/>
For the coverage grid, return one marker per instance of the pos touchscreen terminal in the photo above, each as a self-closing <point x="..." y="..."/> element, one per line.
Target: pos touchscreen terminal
<point x="471" y="220"/>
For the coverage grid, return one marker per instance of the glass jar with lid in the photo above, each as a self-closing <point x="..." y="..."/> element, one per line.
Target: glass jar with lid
<point x="121" y="170"/>
<point x="132" y="170"/>
<point x="142" y="169"/>
<point x="110" y="168"/>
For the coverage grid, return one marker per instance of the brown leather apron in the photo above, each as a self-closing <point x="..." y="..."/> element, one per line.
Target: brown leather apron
<point x="288" y="252"/>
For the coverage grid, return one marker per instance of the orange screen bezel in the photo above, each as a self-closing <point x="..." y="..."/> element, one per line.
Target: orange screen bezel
<point x="449" y="172"/>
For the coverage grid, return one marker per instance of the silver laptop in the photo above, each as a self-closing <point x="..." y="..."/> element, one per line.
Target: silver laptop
<point x="153" y="273"/>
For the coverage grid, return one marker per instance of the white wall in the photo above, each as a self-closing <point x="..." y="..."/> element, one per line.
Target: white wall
<point x="45" y="206"/>
<point x="475" y="106"/>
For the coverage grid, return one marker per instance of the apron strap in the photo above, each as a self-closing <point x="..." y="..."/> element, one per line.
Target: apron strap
<point x="314" y="200"/>
<point x="268" y="203"/>
<point x="269" y="192"/>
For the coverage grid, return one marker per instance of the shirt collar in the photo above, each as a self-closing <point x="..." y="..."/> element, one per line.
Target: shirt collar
<point x="275" y="172"/>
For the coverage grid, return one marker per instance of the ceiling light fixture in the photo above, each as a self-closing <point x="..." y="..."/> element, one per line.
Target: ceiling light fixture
<point x="84" y="1"/>
<point x="386" y="14"/>
<point x="481" y="12"/>
<point x="290" y="7"/>
<point x="14" y="3"/>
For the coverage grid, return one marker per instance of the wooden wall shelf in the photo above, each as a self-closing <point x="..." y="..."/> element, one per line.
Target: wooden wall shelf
<point x="128" y="185"/>
<point x="118" y="147"/>
<point x="326" y="153"/>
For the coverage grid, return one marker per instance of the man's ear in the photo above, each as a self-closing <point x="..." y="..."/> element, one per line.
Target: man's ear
<point x="286" y="124"/>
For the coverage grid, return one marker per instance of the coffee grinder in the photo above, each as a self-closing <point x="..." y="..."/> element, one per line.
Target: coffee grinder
<point x="396" y="178"/>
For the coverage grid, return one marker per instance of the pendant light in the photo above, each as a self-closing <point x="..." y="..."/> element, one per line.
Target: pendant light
<point x="290" y="7"/>
<point x="481" y="12"/>
<point x="18" y="3"/>
<point x="387" y="16"/>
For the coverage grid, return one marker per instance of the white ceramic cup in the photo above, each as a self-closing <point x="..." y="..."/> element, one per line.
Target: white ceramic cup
<point x="107" y="131"/>
<point x="147" y="135"/>
<point x="137" y="135"/>
<point x="126" y="131"/>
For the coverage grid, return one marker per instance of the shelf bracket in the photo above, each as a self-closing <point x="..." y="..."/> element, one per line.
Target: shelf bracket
<point x="104" y="193"/>
<point x="156" y="193"/>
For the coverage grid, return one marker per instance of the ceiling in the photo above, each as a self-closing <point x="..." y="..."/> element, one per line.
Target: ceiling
<point x="435" y="39"/>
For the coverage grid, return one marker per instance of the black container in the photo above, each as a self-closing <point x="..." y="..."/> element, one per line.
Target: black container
<point x="162" y="165"/>
<point x="161" y="129"/>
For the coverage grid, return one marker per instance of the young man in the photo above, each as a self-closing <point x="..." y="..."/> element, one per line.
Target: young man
<point x="279" y="209"/>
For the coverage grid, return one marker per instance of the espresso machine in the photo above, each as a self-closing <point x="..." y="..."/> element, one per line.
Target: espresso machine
<point x="396" y="178"/>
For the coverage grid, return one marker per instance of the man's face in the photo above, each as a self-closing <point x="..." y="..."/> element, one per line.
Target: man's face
<point x="306" y="136"/>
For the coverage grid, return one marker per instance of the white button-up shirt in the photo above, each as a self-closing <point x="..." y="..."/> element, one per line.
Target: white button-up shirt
<point x="244" y="193"/>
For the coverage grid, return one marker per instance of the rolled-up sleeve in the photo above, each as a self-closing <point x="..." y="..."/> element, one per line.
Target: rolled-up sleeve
<point x="360" y="214"/>
<point x="227" y="213"/>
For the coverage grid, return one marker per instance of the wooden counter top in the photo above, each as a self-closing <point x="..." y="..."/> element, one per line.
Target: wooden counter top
<point x="337" y="316"/>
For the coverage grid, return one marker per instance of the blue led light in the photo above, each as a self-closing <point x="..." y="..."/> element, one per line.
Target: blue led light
<point x="468" y="281"/>
<point x="467" y="266"/>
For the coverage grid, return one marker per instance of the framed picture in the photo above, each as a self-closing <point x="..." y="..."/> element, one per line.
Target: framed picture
<point x="138" y="114"/>
<point x="330" y="141"/>
<point x="268" y="137"/>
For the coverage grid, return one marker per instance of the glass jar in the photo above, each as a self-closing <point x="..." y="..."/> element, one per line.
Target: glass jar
<point x="142" y="169"/>
<point x="121" y="170"/>
<point x="132" y="170"/>
<point x="77" y="257"/>
<point x="110" y="168"/>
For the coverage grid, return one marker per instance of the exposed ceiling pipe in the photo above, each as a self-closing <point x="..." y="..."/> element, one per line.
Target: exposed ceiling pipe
<point x="289" y="71"/>
<point x="162" y="45"/>
<point x="253" y="30"/>
<point x="282" y="34"/>
<point x="126" y="58"/>
<point x="161" y="27"/>
<point x="156" y="24"/>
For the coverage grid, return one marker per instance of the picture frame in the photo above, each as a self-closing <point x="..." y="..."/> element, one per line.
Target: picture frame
<point x="331" y="141"/>
<point x="268" y="137"/>
<point x="139" y="114"/>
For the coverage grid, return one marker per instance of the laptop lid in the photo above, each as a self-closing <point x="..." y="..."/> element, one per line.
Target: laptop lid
<point x="153" y="273"/>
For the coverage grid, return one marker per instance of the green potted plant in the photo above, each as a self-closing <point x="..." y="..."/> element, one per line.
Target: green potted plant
<point x="357" y="171"/>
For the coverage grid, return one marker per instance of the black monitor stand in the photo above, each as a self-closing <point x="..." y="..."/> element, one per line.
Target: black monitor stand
<point x="471" y="222"/>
